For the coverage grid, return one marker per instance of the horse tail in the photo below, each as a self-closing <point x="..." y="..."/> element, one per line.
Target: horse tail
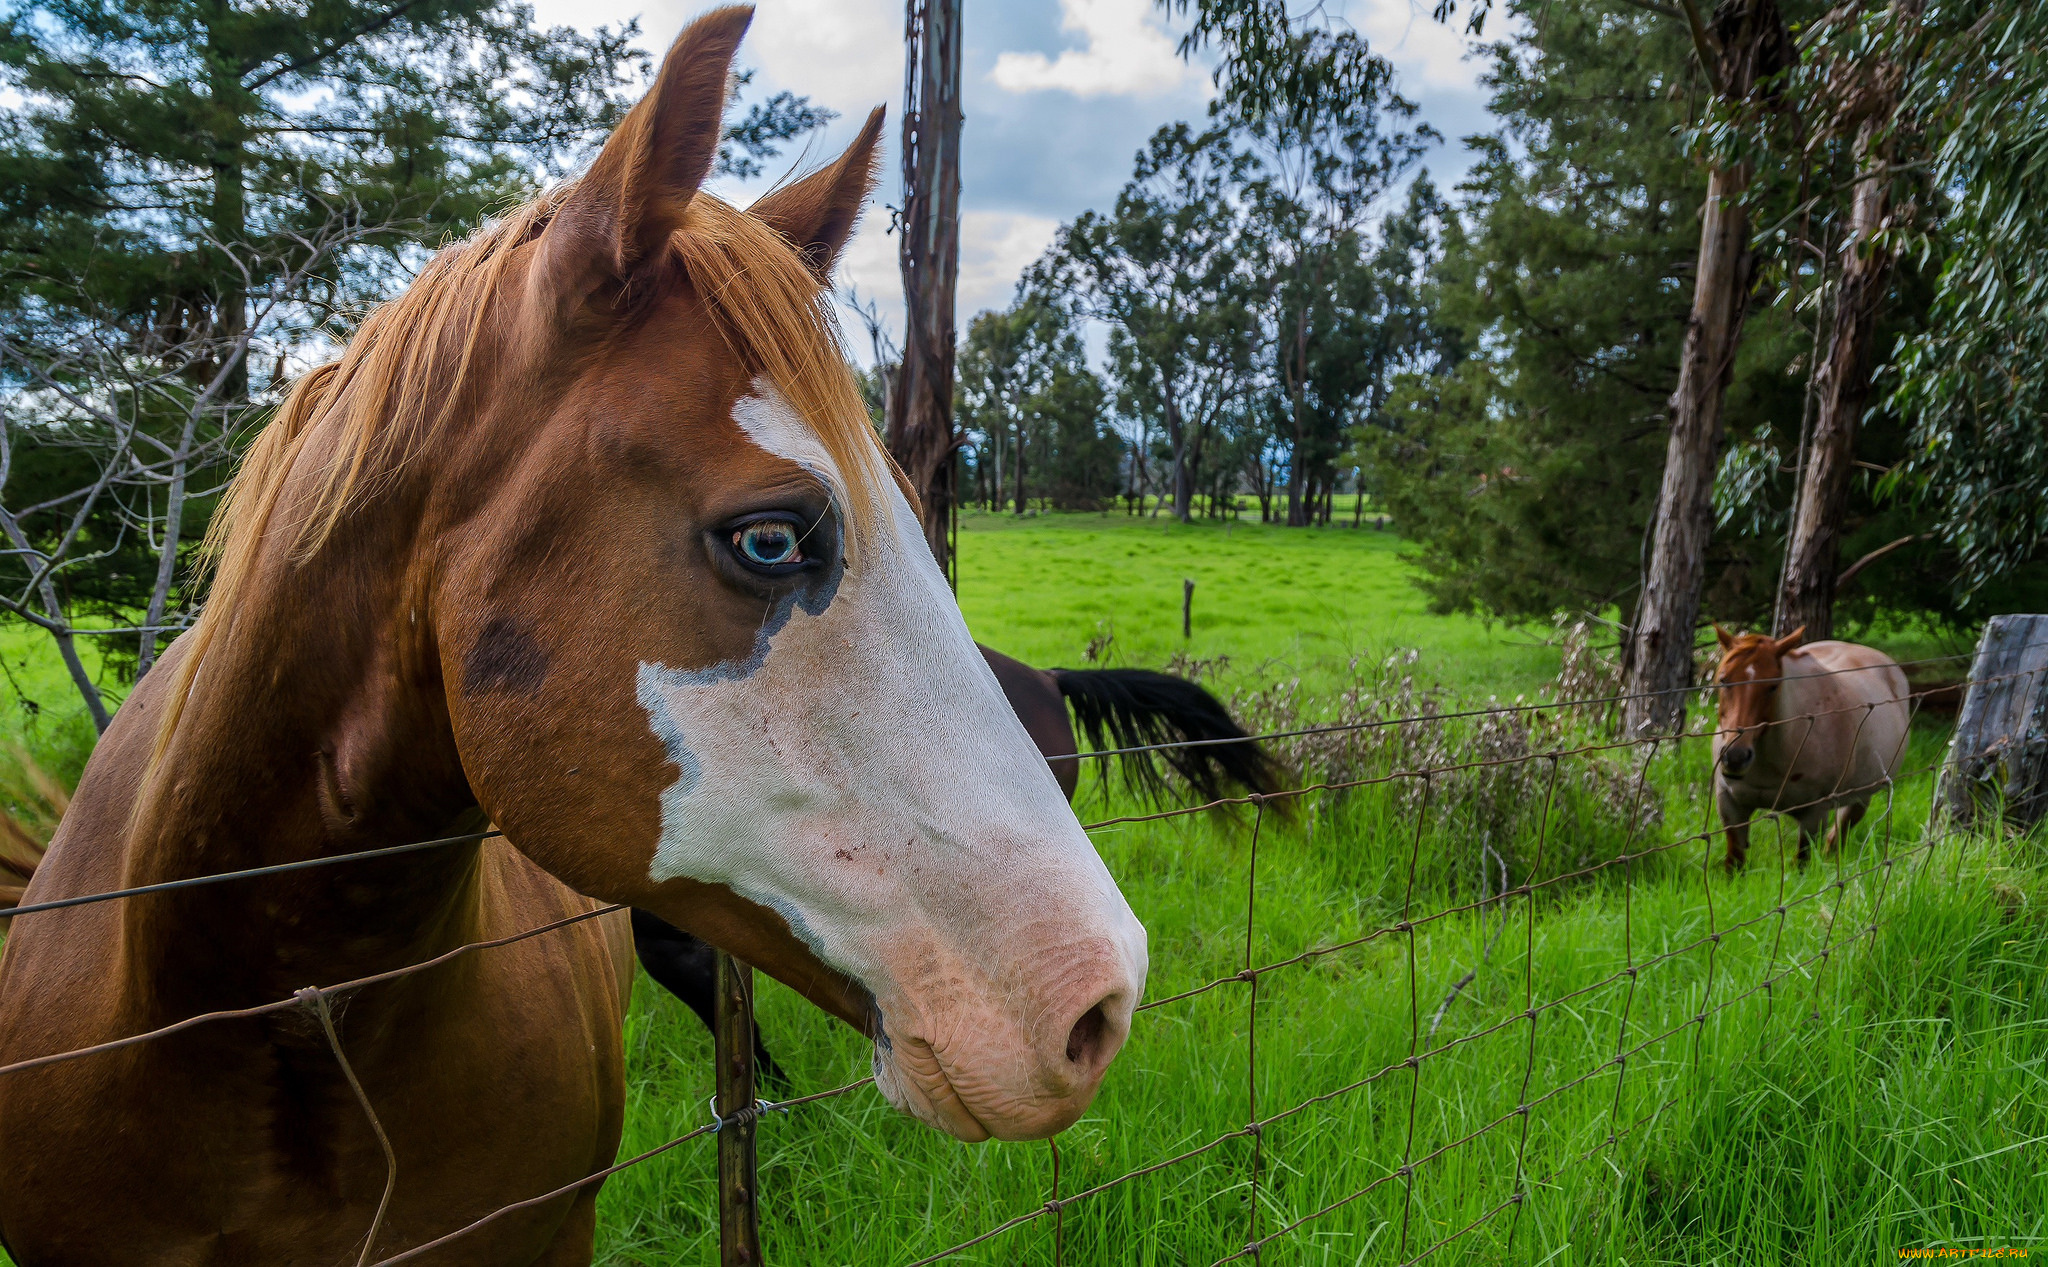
<point x="1137" y="708"/>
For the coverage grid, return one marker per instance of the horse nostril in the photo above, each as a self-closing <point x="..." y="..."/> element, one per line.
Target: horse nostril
<point x="1085" y="1039"/>
<point x="1736" y="758"/>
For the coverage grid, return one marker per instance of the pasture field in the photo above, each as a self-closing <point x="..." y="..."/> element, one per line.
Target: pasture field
<point x="1823" y="1066"/>
<point x="1850" y="1091"/>
<point x="1887" y="1095"/>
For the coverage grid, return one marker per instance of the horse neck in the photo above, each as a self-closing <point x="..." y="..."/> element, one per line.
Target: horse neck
<point x="316" y="726"/>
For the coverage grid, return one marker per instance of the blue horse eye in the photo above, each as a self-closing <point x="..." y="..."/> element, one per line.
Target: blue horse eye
<point x="770" y="543"/>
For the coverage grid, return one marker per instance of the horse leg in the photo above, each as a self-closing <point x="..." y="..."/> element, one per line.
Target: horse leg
<point x="1735" y="818"/>
<point x="1809" y="826"/>
<point x="1845" y="820"/>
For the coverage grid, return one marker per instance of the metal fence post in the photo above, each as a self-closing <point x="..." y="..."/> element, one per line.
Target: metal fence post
<point x="739" y="1211"/>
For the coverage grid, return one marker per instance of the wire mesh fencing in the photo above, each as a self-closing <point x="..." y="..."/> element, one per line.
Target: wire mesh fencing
<point x="1850" y="889"/>
<point x="1465" y="824"/>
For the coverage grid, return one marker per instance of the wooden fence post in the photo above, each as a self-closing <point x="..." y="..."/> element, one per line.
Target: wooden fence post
<point x="739" y="1211"/>
<point x="1187" y="609"/>
<point x="2000" y="749"/>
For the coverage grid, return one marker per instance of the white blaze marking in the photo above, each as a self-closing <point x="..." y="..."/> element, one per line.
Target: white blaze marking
<point x="860" y="768"/>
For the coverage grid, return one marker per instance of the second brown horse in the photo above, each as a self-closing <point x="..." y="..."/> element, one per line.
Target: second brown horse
<point x="1805" y="731"/>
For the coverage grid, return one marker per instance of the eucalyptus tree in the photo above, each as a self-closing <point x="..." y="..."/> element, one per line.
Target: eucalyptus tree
<point x="1741" y="49"/>
<point x="198" y="199"/>
<point x="1027" y="394"/>
<point x="1170" y="270"/>
<point x="1528" y="474"/>
<point x="1852" y="85"/>
<point x="1323" y="164"/>
<point x="1375" y="320"/>
<point x="1975" y="381"/>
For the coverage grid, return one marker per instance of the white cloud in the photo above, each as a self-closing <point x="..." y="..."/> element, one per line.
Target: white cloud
<point x="868" y="265"/>
<point x="995" y="249"/>
<point x="1127" y="52"/>
<point x="1429" y="55"/>
<point x="846" y="54"/>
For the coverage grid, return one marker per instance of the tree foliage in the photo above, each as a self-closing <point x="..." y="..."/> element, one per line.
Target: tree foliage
<point x="1168" y="269"/>
<point x="1974" y="378"/>
<point x="199" y="199"/>
<point x="1034" y="410"/>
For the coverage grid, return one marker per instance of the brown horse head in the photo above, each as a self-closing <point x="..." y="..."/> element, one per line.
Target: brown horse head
<point x="604" y="475"/>
<point x="1748" y="681"/>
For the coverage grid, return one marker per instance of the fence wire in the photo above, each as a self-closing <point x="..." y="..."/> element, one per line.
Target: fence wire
<point x="1421" y="1051"/>
<point x="1421" y="1048"/>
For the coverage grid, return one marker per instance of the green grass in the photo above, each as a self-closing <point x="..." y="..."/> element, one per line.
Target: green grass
<point x="40" y="709"/>
<point x="1889" y="1094"/>
<point x="1276" y="601"/>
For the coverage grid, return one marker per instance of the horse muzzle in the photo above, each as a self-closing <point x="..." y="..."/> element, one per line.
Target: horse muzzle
<point x="1022" y="1061"/>
<point x="1736" y="758"/>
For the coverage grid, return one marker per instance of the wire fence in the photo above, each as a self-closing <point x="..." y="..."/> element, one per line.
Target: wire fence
<point x="1422" y="785"/>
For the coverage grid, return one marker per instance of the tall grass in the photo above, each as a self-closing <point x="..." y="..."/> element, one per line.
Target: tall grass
<point x="1886" y="1090"/>
<point x="1808" y="1088"/>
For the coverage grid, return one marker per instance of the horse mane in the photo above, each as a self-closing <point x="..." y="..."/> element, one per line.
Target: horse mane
<point x="397" y="382"/>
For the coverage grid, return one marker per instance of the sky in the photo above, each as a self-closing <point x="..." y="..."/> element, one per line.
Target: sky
<point x="1058" y="97"/>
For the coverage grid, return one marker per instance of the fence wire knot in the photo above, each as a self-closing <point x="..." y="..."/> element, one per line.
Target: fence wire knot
<point x="751" y="1113"/>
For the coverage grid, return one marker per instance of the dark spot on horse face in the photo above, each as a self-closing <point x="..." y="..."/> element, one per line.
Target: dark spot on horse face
<point x="505" y="657"/>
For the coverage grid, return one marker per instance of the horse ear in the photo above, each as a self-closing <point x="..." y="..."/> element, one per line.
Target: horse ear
<point x="1790" y="640"/>
<point x="817" y="213"/>
<point x="622" y="212"/>
<point x="1725" y="638"/>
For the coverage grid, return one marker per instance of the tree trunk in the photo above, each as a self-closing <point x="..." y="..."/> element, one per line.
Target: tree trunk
<point x="1661" y="663"/>
<point x="997" y="442"/>
<point x="228" y="216"/>
<point x="1020" y="466"/>
<point x="167" y="560"/>
<point x="1177" y="438"/>
<point x="1750" y="45"/>
<point x="1806" y="592"/>
<point x="921" y="434"/>
<point x="1997" y="765"/>
<point x="1297" y="471"/>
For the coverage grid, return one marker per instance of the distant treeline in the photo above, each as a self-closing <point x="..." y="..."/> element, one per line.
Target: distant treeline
<point x="1285" y="320"/>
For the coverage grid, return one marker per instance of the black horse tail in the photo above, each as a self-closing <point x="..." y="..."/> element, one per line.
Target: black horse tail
<point x="1137" y="708"/>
